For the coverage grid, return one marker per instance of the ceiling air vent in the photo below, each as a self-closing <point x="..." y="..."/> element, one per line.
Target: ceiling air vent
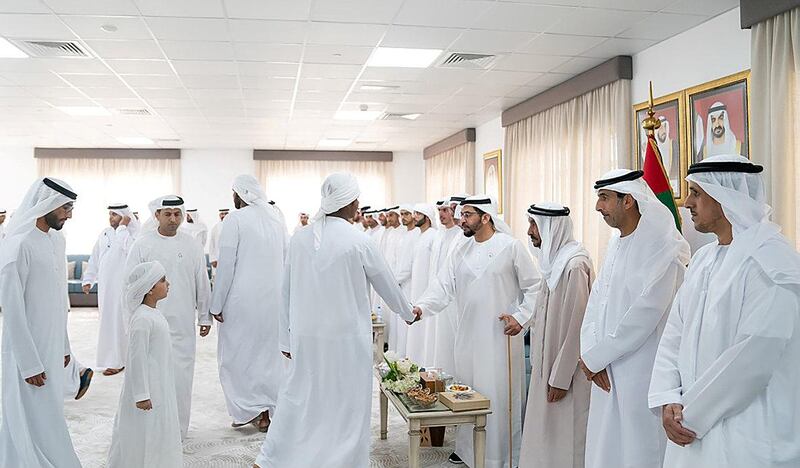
<point x="404" y="116"/>
<point x="52" y="49"/>
<point x="471" y="61"/>
<point x="133" y="111"/>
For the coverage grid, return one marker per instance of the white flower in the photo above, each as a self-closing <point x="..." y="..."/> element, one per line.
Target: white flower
<point x="404" y="365"/>
<point x="390" y="356"/>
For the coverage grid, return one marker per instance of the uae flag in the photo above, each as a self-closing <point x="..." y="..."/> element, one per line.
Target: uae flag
<point x="656" y="178"/>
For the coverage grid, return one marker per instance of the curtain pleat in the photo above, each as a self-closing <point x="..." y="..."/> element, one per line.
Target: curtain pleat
<point x="101" y="182"/>
<point x="450" y="172"/>
<point x="295" y="185"/>
<point x="775" y="125"/>
<point x="557" y="155"/>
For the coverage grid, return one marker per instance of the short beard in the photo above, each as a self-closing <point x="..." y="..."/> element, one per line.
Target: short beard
<point x="421" y="222"/>
<point x="52" y="220"/>
<point x="718" y="131"/>
<point x="468" y="231"/>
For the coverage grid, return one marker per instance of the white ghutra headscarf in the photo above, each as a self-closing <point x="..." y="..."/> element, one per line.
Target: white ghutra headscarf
<point x="140" y="281"/>
<point x="338" y="190"/>
<point x="558" y="244"/>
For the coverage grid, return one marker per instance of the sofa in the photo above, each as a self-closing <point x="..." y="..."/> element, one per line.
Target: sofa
<point x="75" y="266"/>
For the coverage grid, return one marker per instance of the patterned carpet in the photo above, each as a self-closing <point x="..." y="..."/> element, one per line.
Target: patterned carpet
<point x="212" y="442"/>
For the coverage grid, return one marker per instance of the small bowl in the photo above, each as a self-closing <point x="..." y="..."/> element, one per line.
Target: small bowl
<point x="459" y="388"/>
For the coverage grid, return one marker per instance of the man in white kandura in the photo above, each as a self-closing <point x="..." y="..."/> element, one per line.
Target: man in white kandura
<point x="213" y="239"/>
<point x="726" y="375"/>
<point x="375" y="230"/>
<point x="107" y="270"/>
<point x="408" y="234"/>
<point x="493" y="281"/>
<point x="324" y="411"/>
<point x="302" y="221"/>
<point x="558" y="399"/>
<point x="195" y="227"/>
<point x="425" y="221"/>
<point x="441" y="328"/>
<point x="624" y="318"/>
<point x="35" y="347"/>
<point x="189" y="296"/>
<point x="247" y="303"/>
<point x="389" y="246"/>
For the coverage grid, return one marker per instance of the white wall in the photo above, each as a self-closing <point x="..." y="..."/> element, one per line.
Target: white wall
<point x="716" y="48"/>
<point x="488" y="137"/>
<point x="408" y="174"/>
<point x="17" y="173"/>
<point x="206" y="177"/>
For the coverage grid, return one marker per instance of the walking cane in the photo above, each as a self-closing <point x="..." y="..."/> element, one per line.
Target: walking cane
<point x="510" y="413"/>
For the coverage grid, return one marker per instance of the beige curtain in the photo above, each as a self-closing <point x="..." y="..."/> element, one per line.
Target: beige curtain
<point x="295" y="185"/>
<point x="450" y="172"/>
<point x="774" y="119"/>
<point x="557" y="155"/>
<point x="101" y="182"/>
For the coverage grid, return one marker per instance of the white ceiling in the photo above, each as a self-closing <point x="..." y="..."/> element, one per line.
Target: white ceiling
<point x="271" y="73"/>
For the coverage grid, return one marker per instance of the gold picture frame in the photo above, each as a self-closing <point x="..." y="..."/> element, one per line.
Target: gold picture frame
<point x="671" y="108"/>
<point x="493" y="176"/>
<point x="733" y="93"/>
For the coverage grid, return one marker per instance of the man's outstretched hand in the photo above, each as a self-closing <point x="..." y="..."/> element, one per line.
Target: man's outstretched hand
<point x="417" y="315"/>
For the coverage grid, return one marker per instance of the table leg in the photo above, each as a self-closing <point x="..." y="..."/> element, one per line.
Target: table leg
<point x="414" y="439"/>
<point x="384" y="415"/>
<point x="479" y="441"/>
<point x="381" y="343"/>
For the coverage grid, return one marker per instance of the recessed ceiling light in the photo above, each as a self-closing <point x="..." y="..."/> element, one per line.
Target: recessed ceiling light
<point x="399" y="57"/>
<point x="109" y="28"/>
<point x="135" y="141"/>
<point x="357" y="115"/>
<point x="335" y="142"/>
<point x="84" y="111"/>
<point x="370" y="87"/>
<point x="9" y="50"/>
<point x="410" y="116"/>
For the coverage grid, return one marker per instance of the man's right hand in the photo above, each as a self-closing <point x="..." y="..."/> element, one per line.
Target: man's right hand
<point x="417" y="315"/>
<point x="125" y="220"/>
<point x="671" y="418"/>
<point x="602" y="380"/>
<point x="87" y="288"/>
<point x="37" y="380"/>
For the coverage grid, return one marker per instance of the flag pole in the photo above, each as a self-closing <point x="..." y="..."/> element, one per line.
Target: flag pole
<point x="510" y="412"/>
<point x="651" y="123"/>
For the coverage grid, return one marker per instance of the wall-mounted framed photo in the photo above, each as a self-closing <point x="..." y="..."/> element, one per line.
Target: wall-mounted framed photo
<point x="718" y="115"/>
<point x="670" y="138"/>
<point x="493" y="177"/>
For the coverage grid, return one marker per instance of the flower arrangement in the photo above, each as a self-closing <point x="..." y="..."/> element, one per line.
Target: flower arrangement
<point x="398" y="375"/>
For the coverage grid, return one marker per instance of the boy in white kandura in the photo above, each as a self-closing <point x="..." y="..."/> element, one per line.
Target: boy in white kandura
<point x="147" y="432"/>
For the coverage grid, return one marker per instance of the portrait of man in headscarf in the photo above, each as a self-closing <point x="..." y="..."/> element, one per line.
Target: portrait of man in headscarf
<point x="719" y="121"/>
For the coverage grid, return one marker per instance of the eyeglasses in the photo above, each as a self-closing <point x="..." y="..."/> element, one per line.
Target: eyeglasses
<point x="467" y="214"/>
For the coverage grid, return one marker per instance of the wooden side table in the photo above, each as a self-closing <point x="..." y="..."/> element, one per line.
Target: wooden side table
<point x="417" y="421"/>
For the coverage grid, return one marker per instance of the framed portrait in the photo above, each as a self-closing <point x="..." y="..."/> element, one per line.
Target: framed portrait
<point x="670" y="138"/>
<point x="493" y="177"/>
<point x="718" y="117"/>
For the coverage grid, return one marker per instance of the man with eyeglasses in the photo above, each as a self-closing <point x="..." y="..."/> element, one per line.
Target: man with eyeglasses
<point x="493" y="282"/>
<point x="35" y="347"/>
